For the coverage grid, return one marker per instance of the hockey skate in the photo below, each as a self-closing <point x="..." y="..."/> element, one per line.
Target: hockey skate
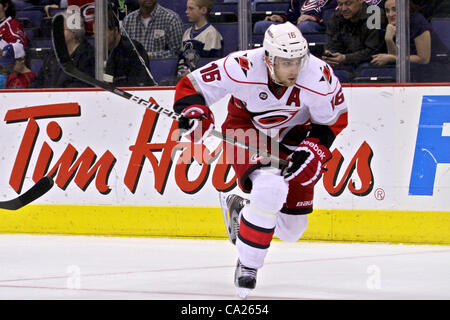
<point x="231" y="206"/>
<point x="244" y="279"/>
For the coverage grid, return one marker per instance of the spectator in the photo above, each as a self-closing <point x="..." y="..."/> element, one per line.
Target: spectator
<point x="11" y="30"/>
<point x="201" y="40"/>
<point x="310" y="16"/>
<point x="81" y="53"/>
<point x="123" y="63"/>
<point x="13" y="60"/>
<point x="349" y="41"/>
<point x="157" y="28"/>
<point x="424" y="45"/>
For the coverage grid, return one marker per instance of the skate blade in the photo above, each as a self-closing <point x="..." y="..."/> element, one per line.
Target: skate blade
<point x="243" y="292"/>
<point x="224" y="206"/>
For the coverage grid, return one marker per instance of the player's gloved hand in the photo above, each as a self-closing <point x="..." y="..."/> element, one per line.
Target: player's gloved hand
<point x="196" y="122"/>
<point x="307" y="162"/>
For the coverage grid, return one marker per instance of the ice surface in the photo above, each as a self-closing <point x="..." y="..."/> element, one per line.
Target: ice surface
<point x="82" y="267"/>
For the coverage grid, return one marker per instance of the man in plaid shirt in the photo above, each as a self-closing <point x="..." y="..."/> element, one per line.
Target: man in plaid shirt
<point x="157" y="28"/>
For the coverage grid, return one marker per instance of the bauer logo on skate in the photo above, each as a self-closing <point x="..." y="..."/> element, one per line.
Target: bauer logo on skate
<point x="69" y="165"/>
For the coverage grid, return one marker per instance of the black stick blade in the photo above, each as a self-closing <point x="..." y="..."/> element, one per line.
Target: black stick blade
<point x="35" y="192"/>
<point x="59" y="42"/>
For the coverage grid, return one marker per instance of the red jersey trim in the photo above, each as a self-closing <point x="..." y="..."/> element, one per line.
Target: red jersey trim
<point x="184" y="88"/>
<point x="340" y="124"/>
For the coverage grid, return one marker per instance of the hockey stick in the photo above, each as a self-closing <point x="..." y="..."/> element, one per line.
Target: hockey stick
<point x="68" y="67"/>
<point x="36" y="191"/>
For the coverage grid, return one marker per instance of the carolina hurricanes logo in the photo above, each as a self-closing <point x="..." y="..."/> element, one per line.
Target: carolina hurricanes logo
<point x="273" y="119"/>
<point x="244" y="63"/>
<point x="326" y="74"/>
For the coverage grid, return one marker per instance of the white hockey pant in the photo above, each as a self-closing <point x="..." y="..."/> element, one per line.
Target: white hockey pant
<point x="262" y="219"/>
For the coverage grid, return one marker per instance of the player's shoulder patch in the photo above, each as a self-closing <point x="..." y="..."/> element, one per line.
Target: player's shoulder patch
<point x="319" y="77"/>
<point x="326" y="74"/>
<point x="243" y="66"/>
<point x="244" y="63"/>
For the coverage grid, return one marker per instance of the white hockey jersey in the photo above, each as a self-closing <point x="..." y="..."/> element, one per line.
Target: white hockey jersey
<point x="316" y="97"/>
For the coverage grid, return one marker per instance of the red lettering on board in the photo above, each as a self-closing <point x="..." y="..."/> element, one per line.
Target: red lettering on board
<point x="67" y="166"/>
<point x="189" y="152"/>
<point x="360" y="162"/>
<point x="192" y="170"/>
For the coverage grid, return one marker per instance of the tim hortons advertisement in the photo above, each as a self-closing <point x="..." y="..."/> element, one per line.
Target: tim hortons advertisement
<point x="102" y="149"/>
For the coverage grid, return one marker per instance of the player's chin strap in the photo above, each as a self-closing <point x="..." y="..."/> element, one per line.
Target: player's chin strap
<point x="68" y="67"/>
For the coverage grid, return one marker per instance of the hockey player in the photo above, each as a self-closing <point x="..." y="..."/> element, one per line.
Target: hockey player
<point x="293" y="98"/>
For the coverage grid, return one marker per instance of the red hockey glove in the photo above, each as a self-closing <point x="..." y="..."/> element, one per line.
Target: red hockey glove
<point x="307" y="161"/>
<point x="196" y="121"/>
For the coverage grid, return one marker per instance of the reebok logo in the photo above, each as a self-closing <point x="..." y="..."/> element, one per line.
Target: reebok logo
<point x="316" y="149"/>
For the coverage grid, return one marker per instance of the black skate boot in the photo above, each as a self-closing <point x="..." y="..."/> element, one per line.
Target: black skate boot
<point x="244" y="279"/>
<point x="231" y="206"/>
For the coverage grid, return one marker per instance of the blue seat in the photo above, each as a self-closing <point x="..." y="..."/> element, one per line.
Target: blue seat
<point x="45" y="30"/>
<point x="257" y="38"/>
<point x="225" y="7"/>
<point x="39" y="53"/>
<point x="31" y="7"/>
<point x="204" y="61"/>
<point x="25" y="22"/>
<point x="442" y="27"/>
<point x="343" y="75"/>
<point x="36" y="65"/>
<point x="54" y="11"/>
<point x="223" y="17"/>
<point x="230" y="35"/>
<point x="272" y="6"/>
<point x="261" y="15"/>
<point x="42" y="43"/>
<point x="164" y="70"/>
<point x="315" y="37"/>
<point x="35" y="16"/>
<point x="388" y="71"/>
<point x="376" y="74"/>
<point x="30" y="32"/>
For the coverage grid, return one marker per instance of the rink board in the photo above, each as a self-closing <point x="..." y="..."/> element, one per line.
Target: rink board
<point x="200" y="222"/>
<point x="389" y="179"/>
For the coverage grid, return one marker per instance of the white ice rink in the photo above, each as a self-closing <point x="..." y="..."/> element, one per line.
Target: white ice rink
<point x="79" y="267"/>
